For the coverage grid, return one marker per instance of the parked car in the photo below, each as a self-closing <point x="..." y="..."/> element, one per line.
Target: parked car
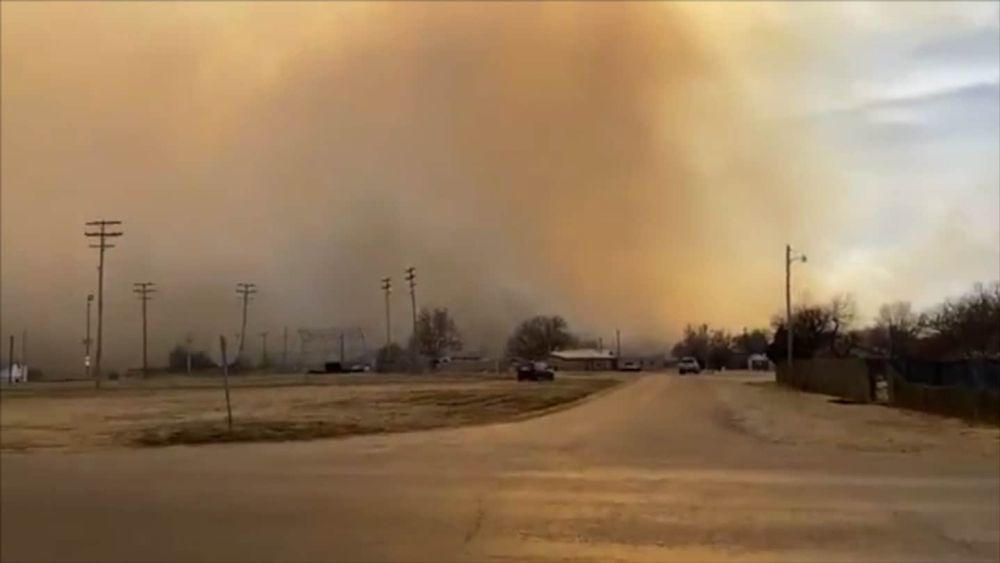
<point x="630" y="365"/>
<point x="535" y="371"/>
<point x="688" y="365"/>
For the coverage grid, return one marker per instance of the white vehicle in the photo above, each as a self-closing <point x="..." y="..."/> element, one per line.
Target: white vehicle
<point x="688" y="365"/>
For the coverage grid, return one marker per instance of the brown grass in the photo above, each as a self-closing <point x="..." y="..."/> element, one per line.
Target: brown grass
<point x="269" y="408"/>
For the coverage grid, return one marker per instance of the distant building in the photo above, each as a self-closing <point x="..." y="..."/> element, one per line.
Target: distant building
<point x="18" y="373"/>
<point x="583" y="359"/>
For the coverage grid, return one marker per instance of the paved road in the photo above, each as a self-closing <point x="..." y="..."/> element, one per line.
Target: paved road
<point x="658" y="470"/>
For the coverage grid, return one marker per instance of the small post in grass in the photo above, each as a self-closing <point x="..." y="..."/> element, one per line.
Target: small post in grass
<point x="225" y="379"/>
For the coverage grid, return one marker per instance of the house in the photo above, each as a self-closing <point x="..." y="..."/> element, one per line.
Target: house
<point x="583" y="359"/>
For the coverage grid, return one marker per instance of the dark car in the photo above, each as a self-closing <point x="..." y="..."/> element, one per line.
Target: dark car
<point x="535" y="371"/>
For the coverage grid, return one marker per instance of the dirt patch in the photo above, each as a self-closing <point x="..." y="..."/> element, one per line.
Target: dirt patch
<point x="785" y="416"/>
<point x="155" y="413"/>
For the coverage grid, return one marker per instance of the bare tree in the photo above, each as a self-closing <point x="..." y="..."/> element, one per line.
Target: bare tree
<point x="436" y="333"/>
<point x="537" y="337"/>
<point x="896" y="327"/>
<point x="818" y="328"/>
<point x="968" y="326"/>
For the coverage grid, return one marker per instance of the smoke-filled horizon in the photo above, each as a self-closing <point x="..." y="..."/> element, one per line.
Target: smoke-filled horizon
<point x="625" y="166"/>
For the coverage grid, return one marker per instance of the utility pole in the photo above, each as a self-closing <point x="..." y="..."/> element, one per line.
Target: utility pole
<point x="144" y="290"/>
<point x="225" y="379"/>
<point x="618" y="343"/>
<point x="263" y="348"/>
<point x="411" y="279"/>
<point x="87" y="341"/>
<point x="387" y="288"/>
<point x="284" y="349"/>
<point x="189" y="342"/>
<point x="789" y="259"/>
<point x="102" y="234"/>
<point x="245" y="290"/>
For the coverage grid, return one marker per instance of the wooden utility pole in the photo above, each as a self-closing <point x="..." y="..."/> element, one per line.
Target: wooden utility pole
<point x="188" y="343"/>
<point x="618" y="343"/>
<point x="789" y="259"/>
<point x="225" y="380"/>
<point x="87" y="341"/>
<point x="245" y="290"/>
<point x="411" y="279"/>
<point x="284" y="349"/>
<point x="387" y="288"/>
<point x="144" y="290"/>
<point x="102" y="234"/>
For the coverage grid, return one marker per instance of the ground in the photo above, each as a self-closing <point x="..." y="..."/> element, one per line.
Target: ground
<point x="192" y="410"/>
<point x="662" y="468"/>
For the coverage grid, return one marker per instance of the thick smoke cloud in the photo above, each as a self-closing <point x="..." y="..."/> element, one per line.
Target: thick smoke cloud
<point x="626" y="166"/>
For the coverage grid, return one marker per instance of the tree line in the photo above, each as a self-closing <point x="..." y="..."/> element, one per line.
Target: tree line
<point x="962" y="327"/>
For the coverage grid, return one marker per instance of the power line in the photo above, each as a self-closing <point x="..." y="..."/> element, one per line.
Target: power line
<point x="144" y="290"/>
<point x="102" y="234"/>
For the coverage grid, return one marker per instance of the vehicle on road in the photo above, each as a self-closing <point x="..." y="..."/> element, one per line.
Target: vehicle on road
<point x="630" y="365"/>
<point x="535" y="371"/>
<point x="688" y="365"/>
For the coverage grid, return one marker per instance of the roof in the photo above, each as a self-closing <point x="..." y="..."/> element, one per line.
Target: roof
<point x="583" y="354"/>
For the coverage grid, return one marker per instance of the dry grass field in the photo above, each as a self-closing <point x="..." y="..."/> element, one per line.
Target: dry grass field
<point x="192" y="410"/>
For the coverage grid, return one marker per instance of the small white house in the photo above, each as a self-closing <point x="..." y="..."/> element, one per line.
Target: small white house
<point x="17" y="373"/>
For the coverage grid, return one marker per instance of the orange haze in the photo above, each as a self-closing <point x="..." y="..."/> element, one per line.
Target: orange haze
<point x="627" y="166"/>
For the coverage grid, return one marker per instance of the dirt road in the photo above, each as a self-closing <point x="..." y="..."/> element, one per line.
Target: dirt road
<point x="663" y="469"/>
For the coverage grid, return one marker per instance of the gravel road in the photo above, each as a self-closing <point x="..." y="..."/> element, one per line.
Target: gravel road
<point x="662" y="469"/>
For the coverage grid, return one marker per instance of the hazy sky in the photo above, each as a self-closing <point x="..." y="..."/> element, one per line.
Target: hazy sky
<point x="635" y="166"/>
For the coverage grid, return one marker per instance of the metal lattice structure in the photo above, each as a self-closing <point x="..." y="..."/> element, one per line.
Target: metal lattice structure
<point x="317" y="346"/>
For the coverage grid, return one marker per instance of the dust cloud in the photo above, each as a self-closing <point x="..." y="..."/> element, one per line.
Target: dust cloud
<point x="627" y="166"/>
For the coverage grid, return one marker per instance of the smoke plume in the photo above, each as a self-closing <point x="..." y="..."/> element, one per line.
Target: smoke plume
<point x="625" y="165"/>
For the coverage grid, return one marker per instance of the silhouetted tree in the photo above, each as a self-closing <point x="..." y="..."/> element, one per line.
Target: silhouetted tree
<point x="391" y="357"/>
<point x="752" y="342"/>
<point x="695" y="343"/>
<point x="896" y="328"/>
<point x="817" y="328"/>
<point x="968" y="326"/>
<point x="437" y="334"/>
<point x="537" y="337"/>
